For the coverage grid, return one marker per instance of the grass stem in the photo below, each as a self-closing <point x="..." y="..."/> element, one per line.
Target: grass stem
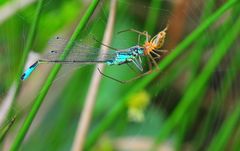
<point x="86" y="115"/>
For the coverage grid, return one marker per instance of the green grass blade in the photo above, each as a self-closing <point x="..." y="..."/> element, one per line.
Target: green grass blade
<point x="27" y="48"/>
<point x="30" y="39"/>
<point x="112" y="116"/>
<point x="199" y="47"/>
<point x="39" y="99"/>
<point x="221" y="139"/>
<point x="197" y="85"/>
<point x="152" y="16"/>
<point x="5" y="129"/>
<point x="225" y="88"/>
<point x="217" y="103"/>
<point x="236" y="143"/>
<point x="195" y="59"/>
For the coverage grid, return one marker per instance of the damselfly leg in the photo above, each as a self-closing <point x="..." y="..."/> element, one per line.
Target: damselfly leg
<point x="132" y="79"/>
<point x="142" y="74"/>
<point x="110" y="47"/>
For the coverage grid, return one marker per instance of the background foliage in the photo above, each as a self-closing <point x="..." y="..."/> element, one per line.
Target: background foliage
<point x="191" y="104"/>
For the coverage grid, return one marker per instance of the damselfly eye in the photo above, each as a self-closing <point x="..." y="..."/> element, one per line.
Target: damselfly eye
<point x="53" y="51"/>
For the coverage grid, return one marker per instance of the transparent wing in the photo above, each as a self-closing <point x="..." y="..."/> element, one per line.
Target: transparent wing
<point x="79" y="52"/>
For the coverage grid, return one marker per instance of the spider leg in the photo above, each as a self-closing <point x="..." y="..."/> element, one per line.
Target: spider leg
<point x="154" y="62"/>
<point x="110" y="77"/>
<point x="166" y="28"/>
<point x="145" y="33"/>
<point x="132" y="68"/>
<point x="160" y="50"/>
<point x="141" y="75"/>
<point x="132" y="79"/>
<point x="132" y="30"/>
<point x="155" y="54"/>
<point x="147" y="36"/>
<point x="153" y="38"/>
<point x="139" y="38"/>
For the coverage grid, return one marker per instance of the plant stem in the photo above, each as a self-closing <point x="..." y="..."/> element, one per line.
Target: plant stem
<point x="86" y="115"/>
<point x="152" y="15"/>
<point x="39" y="99"/>
<point x="195" y="59"/>
<point x="217" y="103"/>
<point x="223" y="136"/>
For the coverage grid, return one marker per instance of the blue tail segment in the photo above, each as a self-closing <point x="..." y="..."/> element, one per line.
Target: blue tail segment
<point x="28" y="72"/>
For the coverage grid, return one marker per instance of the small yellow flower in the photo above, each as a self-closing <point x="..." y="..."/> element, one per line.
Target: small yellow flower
<point x="136" y="106"/>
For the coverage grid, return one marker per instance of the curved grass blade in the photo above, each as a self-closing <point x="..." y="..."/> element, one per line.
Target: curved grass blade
<point x="195" y="59"/>
<point x="29" y="43"/>
<point x="110" y="118"/>
<point x="232" y="122"/>
<point x="197" y="85"/>
<point x="152" y="15"/>
<point x="5" y="129"/>
<point x="43" y="92"/>
<point x="224" y="91"/>
<point x="218" y="102"/>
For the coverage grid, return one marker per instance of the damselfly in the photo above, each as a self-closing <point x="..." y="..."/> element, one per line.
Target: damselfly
<point x="82" y="54"/>
<point x="88" y="55"/>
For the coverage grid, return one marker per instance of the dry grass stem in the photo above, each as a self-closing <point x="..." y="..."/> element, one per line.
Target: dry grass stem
<point x="86" y="115"/>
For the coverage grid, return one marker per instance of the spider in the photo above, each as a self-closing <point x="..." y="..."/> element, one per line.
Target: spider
<point x="152" y="48"/>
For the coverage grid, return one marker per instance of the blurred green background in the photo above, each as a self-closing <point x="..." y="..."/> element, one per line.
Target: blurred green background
<point x="191" y="104"/>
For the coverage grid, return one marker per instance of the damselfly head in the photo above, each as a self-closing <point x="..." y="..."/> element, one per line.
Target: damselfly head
<point x="137" y="49"/>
